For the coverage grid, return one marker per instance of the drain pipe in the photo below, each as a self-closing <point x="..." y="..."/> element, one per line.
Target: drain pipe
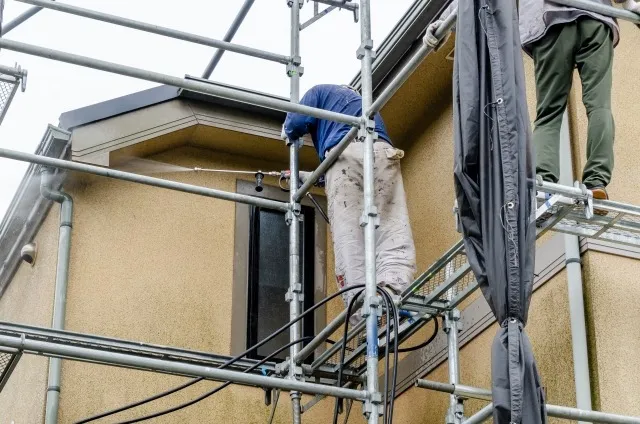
<point x="62" y="278"/>
<point x="574" y="281"/>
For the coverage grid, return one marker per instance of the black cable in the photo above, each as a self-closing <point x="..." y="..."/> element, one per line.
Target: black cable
<point x="217" y="389"/>
<point x="394" y="378"/>
<point x="343" y="351"/>
<point x="389" y="306"/>
<point x="427" y="342"/>
<point x="226" y="364"/>
<point x="385" y="399"/>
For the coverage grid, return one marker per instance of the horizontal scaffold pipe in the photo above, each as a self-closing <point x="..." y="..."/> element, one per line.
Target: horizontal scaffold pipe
<point x="50" y="348"/>
<point x="142" y="179"/>
<point x="552" y="410"/>
<point x="201" y="87"/>
<point x="156" y="29"/>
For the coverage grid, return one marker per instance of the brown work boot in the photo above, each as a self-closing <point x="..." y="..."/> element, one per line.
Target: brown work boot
<point x="600" y="193"/>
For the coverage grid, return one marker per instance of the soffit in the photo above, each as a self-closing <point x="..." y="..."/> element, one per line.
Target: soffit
<point x="178" y="122"/>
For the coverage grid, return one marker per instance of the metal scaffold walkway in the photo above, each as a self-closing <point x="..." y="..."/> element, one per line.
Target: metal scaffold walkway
<point x="346" y="369"/>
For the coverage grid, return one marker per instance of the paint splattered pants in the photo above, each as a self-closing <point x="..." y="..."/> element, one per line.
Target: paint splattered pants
<point x="395" y="251"/>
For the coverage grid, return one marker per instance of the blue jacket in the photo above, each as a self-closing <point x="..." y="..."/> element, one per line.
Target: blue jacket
<point x="326" y="134"/>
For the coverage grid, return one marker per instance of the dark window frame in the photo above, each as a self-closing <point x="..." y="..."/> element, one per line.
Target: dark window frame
<point x="307" y="265"/>
<point x="238" y="330"/>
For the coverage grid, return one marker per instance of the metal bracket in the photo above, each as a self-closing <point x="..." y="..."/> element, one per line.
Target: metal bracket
<point x="452" y="320"/>
<point x="293" y="69"/>
<point x="370" y="215"/>
<point x="456" y="216"/>
<point x="455" y="415"/>
<point x="588" y="202"/>
<point x="22" y="77"/>
<point x="290" y="3"/>
<point x="372" y="305"/>
<point x="293" y="213"/>
<point x="298" y="290"/>
<point x="365" y="45"/>
<point x="282" y="368"/>
<point x="298" y="142"/>
<point x="373" y="405"/>
<point x="369" y="128"/>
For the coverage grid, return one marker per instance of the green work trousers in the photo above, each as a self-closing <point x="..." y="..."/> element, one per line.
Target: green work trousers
<point x="586" y="44"/>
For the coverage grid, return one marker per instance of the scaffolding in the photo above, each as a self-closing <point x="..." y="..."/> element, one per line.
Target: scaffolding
<point x="437" y="292"/>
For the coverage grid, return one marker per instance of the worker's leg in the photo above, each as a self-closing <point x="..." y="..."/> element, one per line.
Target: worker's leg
<point x="343" y="185"/>
<point x="395" y="251"/>
<point x="594" y="59"/>
<point x="553" y="57"/>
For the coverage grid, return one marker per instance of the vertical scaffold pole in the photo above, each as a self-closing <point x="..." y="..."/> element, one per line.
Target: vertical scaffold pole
<point x="369" y="220"/>
<point x="455" y="413"/>
<point x="294" y="295"/>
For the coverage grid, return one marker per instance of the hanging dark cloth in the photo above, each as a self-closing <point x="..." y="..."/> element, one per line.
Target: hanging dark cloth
<point x="493" y="164"/>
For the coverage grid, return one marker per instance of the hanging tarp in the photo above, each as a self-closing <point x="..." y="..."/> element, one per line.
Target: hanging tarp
<point x="493" y="164"/>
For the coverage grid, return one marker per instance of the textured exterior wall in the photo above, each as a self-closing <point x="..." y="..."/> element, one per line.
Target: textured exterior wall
<point x="428" y="177"/>
<point x="611" y="288"/>
<point x="29" y="300"/>
<point x="547" y="330"/>
<point x="147" y="264"/>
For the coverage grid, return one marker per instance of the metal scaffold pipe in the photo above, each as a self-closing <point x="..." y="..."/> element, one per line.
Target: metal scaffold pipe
<point x="201" y="87"/>
<point x="53" y="349"/>
<point x="20" y="19"/>
<point x="156" y="29"/>
<point x="343" y="4"/>
<point x="371" y="307"/>
<point x="231" y="32"/>
<point x="394" y="85"/>
<point x="552" y="410"/>
<point x="294" y="295"/>
<point x="142" y="179"/>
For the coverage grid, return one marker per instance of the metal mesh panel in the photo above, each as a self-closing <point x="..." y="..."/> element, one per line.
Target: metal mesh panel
<point x="5" y="359"/>
<point x="8" y="87"/>
<point x="622" y="227"/>
<point x="443" y="274"/>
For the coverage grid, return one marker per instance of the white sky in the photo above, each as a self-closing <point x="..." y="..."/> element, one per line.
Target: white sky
<point x="327" y="50"/>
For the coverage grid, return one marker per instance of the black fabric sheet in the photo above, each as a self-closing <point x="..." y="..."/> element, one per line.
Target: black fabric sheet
<point x="493" y="162"/>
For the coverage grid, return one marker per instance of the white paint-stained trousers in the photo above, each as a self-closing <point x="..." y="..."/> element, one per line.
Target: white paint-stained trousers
<point x="395" y="251"/>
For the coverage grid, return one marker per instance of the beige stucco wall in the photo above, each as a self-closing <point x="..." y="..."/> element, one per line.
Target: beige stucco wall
<point x="611" y="288"/>
<point x="552" y="349"/>
<point x="427" y="171"/>
<point x="29" y="300"/>
<point x="147" y="264"/>
<point x="157" y="266"/>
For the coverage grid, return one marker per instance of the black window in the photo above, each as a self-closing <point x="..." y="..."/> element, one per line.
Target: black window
<point x="269" y="277"/>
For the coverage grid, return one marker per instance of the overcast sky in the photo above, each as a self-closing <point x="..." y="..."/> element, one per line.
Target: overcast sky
<point x="327" y="49"/>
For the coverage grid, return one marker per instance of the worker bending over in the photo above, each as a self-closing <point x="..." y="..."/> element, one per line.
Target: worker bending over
<point x="559" y="39"/>
<point x="344" y="182"/>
